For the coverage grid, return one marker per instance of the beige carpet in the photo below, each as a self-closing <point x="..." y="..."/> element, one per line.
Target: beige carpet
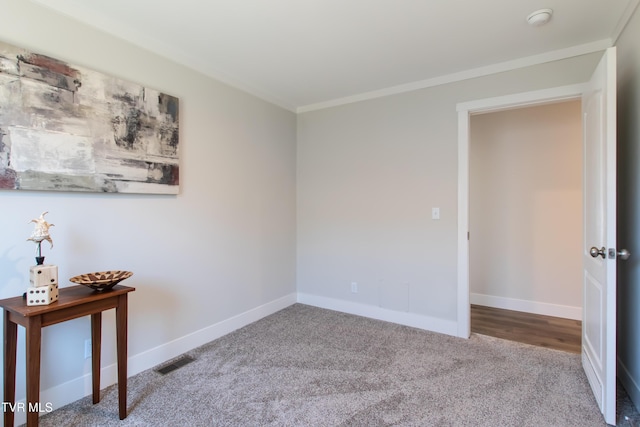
<point x="306" y="366"/>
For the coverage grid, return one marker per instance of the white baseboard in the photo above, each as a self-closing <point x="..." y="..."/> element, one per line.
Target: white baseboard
<point x="63" y="394"/>
<point x="433" y="324"/>
<point x="629" y="383"/>
<point x="535" y="307"/>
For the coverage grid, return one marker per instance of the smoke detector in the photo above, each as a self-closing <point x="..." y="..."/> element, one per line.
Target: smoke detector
<point x="539" y="17"/>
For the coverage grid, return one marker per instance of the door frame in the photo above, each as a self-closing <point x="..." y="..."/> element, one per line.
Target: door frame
<point x="465" y="111"/>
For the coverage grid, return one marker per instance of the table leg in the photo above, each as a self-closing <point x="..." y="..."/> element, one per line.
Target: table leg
<point x="10" y="347"/>
<point x="96" y="340"/>
<point x="33" y="338"/>
<point x="121" y="338"/>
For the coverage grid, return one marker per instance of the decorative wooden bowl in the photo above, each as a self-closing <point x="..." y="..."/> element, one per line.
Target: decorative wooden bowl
<point x="101" y="280"/>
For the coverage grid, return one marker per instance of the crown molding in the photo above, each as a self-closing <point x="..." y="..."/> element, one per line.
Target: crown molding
<point x="551" y="56"/>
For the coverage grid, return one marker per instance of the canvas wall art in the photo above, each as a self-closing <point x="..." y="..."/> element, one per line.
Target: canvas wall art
<point x="68" y="128"/>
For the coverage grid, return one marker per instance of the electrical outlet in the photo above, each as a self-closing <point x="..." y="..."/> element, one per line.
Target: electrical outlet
<point x="354" y="287"/>
<point x="87" y="349"/>
<point x="435" y="213"/>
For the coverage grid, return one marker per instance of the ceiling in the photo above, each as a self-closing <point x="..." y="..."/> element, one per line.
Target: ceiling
<point x="309" y="54"/>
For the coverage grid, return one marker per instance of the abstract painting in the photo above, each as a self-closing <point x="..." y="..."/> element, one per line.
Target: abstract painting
<point x="68" y="128"/>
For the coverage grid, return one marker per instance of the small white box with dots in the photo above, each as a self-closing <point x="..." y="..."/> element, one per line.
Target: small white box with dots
<point x="42" y="295"/>
<point x="43" y="275"/>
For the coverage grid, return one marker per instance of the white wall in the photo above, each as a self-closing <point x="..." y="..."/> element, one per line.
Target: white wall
<point x="629" y="207"/>
<point x="369" y="174"/>
<point x="224" y="247"/>
<point x="525" y="209"/>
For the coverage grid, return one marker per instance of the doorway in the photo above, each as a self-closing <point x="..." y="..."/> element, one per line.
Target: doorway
<point x="525" y="217"/>
<point x="465" y="111"/>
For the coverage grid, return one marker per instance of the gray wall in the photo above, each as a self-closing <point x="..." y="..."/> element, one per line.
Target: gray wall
<point x="369" y="174"/>
<point x="629" y="206"/>
<point x="223" y="247"/>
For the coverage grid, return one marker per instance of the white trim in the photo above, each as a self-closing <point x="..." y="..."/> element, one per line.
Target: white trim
<point x="466" y="109"/>
<point x="464" y="314"/>
<point x="414" y="320"/>
<point x="524" y="99"/>
<point x="528" y="61"/>
<point x="535" y="307"/>
<point x="624" y="20"/>
<point x="80" y="387"/>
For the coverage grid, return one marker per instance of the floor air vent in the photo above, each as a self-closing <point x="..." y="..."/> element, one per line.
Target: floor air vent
<point x="178" y="363"/>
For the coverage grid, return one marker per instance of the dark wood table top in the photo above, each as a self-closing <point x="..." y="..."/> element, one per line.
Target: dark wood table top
<point x="68" y="297"/>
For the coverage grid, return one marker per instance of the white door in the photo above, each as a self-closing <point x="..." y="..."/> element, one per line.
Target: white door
<point x="599" y="304"/>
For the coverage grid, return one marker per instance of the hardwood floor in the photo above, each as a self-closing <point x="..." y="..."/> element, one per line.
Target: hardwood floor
<point x="534" y="329"/>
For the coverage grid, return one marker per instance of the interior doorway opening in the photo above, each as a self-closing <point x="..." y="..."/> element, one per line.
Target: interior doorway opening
<point x="465" y="111"/>
<point x="525" y="223"/>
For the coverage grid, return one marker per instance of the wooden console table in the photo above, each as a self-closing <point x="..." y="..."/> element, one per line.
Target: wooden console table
<point x="73" y="302"/>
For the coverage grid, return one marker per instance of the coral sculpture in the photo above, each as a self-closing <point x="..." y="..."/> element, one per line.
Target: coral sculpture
<point x="40" y="233"/>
